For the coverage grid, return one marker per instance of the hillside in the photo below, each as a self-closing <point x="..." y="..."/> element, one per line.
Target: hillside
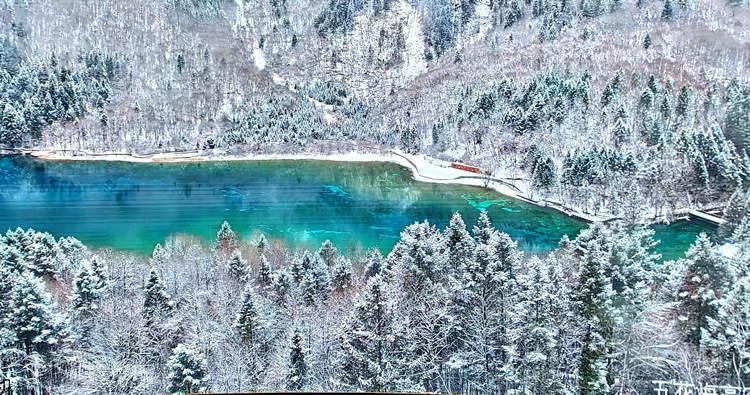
<point x="600" y="104"/>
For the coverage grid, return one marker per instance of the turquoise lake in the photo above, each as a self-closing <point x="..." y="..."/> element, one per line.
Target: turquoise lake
<point x="356" y="205"/>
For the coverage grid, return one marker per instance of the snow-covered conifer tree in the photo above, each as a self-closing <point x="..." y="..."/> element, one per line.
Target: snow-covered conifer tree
<point x="12" y="259"/>
<point x="156" y="301"/>
<point x="535" y="333"/>
<point x="100" y="274"/>
<point x="250" y="320"/>
<point x="593" y="297"/>
<point x="727" y="337"/>
<point x="261" y="244"/>
<point x="316" y="282"/>
<point x="341" y="273"/>
<point x="485" y="297"/>
<point x="226" y="238"/>
<point x="297" y="378"/>
<point x="328" y="253"/>
<point x="369" y="341"/>
<point x="281" y="282"/>
<point x="37" y="326"/>
<point x="374" y="263"/>
<point x="483" y="229"/>
<point x="737" y="209"/>
<point x="42" y="254"/>
<point x="264" y="271"/>
<point x="188" y="371"/>
<point x="459" y="242"/>
<point x="85" y="292"/>
<point x="707" y="280"/>
<point x="301" y="265"/>
<point x="238" y="266"/>
<point x="420" y="255"/>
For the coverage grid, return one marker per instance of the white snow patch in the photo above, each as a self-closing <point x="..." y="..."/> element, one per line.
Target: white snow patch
<point x="241" y="21"/>
<point x="329" y="118"/>
<point x="415" y="48"/>
<point x="484" y="18"/>
<point x="729" y="250"/>
<point x="278" y="80"/>
<point x="259" y="58"/>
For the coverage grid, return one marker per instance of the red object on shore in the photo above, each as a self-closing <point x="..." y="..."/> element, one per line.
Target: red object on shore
<point x="461" y="166"/>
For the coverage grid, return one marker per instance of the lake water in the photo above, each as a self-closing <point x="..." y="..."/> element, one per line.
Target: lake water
<point x="356" y="205"/>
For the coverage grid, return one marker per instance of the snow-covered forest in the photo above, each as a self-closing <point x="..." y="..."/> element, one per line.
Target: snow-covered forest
<point x="637" y="109"/>
<point x="446" y="310"/>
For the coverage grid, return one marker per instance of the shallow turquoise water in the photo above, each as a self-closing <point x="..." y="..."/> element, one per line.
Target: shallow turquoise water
<point x="134" y="206"/>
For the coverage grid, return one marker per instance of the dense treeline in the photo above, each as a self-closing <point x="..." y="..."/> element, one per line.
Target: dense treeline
<point x="444" y="309"/>
<point x="641" y="138"/>
<point x="36" y="94"/>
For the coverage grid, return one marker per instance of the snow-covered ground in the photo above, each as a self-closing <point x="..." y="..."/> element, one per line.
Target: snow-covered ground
<point x="729" y="250"/>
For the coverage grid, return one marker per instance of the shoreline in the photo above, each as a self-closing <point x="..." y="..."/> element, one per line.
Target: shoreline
<point x="422" y="168"/>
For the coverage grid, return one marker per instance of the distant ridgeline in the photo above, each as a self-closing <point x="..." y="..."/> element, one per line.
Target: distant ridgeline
<point x="608" y="136"/>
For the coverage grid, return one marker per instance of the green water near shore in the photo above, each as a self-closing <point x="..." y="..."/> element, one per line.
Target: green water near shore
<point x="133" y="206"/>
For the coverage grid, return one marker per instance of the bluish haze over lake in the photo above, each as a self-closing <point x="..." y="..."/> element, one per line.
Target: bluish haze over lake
<point x="134" y="206"/>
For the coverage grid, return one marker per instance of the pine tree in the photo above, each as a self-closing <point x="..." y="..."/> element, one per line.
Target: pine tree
<point x="737" y="121"/>
<point x="85" y="292"/>
<point x="647" y="99"/>
<point x="737" y="209"/>
<point x="535" y="332"/>
<point x="369" y="341"/>
<point x="316" y="282"/>
<point x="33" y="319"/>
<point x="708" y="277"/>
<point x="727" y="337"/>
<point x="42" y="254"/>
<point x="420" y="255"/>
<point x="73" y="254"/>
<point x="156" y="300"/>
<point x="188" y="372"/>
<point x="684" y="101"/>
<point x="281" y="282"/>
<point x="483" y="229"/>
<point x="6" y="290"/>
<point x="545" y="174"/>
<point x="238" y="266"/>
<point x="653" y="85"/>
<point x="459" y="242"/>
<point x="250" y="321"/>
<point x="226" y="238"/>
<point x="265" y="271"/>
<point x="99" y="274"/>
<point x="301" y="265"/>
<point x="485" y="298"/>
<point x="328" y="253"/>
<point x="341" y="273"/>
<point x="297" y="379"/>
<point x="159" y="256"/>
<point x="374" y="264"/>
<point x="667" y="13"/>
<point x="12" y="259"/>
<point x="261" y="244"/>
<point x="647" y="41"/>
<point x="594" y="296"/>
<point x="180" y="62"/>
